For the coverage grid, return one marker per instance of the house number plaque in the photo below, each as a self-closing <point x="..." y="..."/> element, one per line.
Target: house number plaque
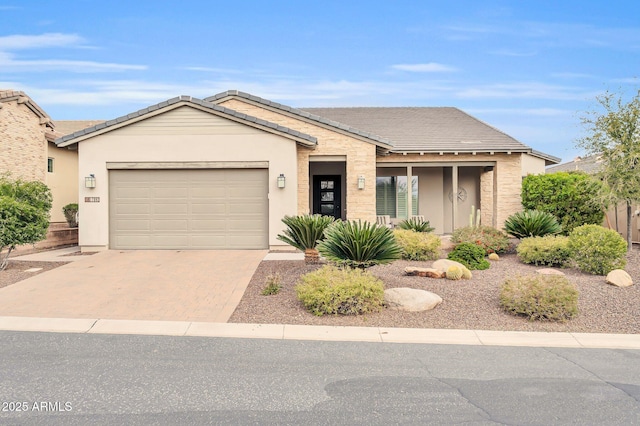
<point x="91" y="199"/>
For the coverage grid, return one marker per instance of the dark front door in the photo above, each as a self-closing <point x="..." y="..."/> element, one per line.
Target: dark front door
<point x="326" y="196"/>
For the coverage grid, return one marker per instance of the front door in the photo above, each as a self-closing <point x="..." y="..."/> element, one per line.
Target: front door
<point x="326" y="196"/>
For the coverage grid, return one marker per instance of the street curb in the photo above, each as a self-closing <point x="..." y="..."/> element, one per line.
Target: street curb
<point x="323" y="333"/>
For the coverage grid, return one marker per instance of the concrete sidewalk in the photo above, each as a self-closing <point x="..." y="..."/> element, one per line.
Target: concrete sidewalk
<point x="325" y="333"/>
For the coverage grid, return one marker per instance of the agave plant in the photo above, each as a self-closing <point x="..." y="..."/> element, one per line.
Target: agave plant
<point x="415" y="224"/>
<point x="359" y="244"/>
<point x="304" y="232"/>
<point x="532" y="223"/>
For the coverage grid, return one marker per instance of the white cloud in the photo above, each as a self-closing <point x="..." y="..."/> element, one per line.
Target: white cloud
<point x="9" y="64"/>
<point x="428" y="67"/>
<point x="527" y="90"/>
<point x="19" y="42"/>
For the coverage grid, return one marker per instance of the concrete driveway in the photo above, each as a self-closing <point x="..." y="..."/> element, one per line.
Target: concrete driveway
<point x="168" y="285"/>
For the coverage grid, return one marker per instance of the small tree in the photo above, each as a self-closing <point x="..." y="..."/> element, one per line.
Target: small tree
<point x="24" y="214"/>
<point x="613" y="132"/>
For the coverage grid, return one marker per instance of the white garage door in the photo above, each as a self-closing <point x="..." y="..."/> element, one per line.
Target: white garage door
<point x="188" y="209"/>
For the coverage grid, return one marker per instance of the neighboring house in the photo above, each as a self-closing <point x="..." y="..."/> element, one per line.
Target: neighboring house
<point x="616" y="217"/>
<point x="27" y="150"/>
<point x="222" y="172"/>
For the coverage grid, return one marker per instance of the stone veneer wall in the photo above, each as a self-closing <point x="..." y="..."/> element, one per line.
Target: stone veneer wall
<point x="499" y="190"/>
<point x="360" y="155"/>
<point x="23" y="148"/>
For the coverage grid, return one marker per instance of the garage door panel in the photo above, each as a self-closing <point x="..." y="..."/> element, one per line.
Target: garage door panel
<point x="170" y="208"/>
<point x="182" y="209"/>
<point x="132" y="224"/>
<point x="133" y="192"/>
<point x="132" y="208"/>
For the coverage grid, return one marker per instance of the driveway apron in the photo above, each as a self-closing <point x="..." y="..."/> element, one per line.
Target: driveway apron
<point x="172" y="285"/>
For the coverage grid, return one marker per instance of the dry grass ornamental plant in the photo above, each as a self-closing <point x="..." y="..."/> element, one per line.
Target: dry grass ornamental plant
<point x="331" y="290"/>
<point x="540" y="297"/>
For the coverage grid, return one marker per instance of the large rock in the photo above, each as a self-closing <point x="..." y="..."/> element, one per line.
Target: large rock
<point x="411" y="299"/>
<point x="549" y="271"/>
<point x="424" y="272"/>
<point x="619" y="278"/>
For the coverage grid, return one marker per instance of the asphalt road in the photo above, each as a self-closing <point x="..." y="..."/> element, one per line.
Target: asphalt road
<point x="116" y="379"/>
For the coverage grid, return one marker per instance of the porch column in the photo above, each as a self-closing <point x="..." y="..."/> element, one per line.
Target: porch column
<point x="454" y="184"/>
<point x="409" y="191"/>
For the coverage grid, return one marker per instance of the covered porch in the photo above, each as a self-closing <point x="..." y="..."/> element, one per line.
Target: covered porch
<point x="442" y="192"/>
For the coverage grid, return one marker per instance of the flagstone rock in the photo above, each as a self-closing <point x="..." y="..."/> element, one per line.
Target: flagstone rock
<point x="424" y="272"/>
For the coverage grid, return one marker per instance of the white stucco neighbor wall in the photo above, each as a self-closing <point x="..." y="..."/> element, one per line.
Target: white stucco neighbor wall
<point x="187" y="135"/>
<point x="532" y="165"/>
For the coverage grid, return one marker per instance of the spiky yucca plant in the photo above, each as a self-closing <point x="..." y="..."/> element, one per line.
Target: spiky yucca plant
<point x="532" y="223"/>
<point x="304" y="232"/>
<point x="415" y="224"/>
<point x="359" y="244"/>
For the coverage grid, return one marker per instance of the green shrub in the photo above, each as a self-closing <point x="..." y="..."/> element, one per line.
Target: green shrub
<point x="470" y="255"/>
<point x="359" y="244"/>
<point x="273" y="285"/>
<point x="570" y="197"/>
<point x="550" y="250"/>
<point x="540" y="297"/>
<point x="70" y="211"/>
<point x="597" y="250"/>
<point x="415" y="224"/>
<point x="330" y="290"/>
<point x="418" y="245"/>
<point x="492" y="240"/>
<point x="532" y="223"/>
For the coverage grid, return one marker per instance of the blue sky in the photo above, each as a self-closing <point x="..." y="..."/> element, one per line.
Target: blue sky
<point x="529" y="68"/>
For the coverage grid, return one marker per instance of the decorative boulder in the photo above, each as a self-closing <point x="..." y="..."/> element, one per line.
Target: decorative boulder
<point x="549" y="271"/>
<point x="424" y="272"/>
<point x="619" y="278"/>
<point x="411" y="299"/>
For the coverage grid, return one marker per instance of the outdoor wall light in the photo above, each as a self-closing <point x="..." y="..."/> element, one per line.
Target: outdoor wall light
<point x="90" y="181"/>
<point x="361" y="182"/>
<point x="281" y="180"/>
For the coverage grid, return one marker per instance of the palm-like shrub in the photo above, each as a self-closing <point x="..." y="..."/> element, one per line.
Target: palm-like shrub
<point x="359" y="244"/>
<point x="532" y="223"/>
<point x="304" y="232"/>
<point x="415" y="224"/>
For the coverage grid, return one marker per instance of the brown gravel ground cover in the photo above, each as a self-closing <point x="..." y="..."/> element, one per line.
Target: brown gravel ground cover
<point x="467" y="304"/>
<point x="16" y="270"/>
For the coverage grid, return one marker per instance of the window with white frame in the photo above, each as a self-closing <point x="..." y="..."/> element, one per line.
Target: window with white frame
<point x="50" y="165"/>
<point x="391" y="196"/>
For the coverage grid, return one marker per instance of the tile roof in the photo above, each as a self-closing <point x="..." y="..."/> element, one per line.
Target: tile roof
<point x="379" y="140"/>
<point x="7" y="95"/>
<point x="589" y="164"/>
<point x="407" y="129"/>
<point x="425" y="129"/>
<point x="65" y="127"/>
<point x="301" y="137"/>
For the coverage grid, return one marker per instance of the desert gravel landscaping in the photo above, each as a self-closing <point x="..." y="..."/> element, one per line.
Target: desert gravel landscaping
<point x="467" y="304"/>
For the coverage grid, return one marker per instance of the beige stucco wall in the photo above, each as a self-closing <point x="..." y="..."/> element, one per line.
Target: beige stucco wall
<point x="23" y="148"/>
<point x="63" y="181"/>
<point x="505" y="182"/>
<point x="184" y="134"/>
<point x="532" y="165"/>
<point x="360" y="160"/>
